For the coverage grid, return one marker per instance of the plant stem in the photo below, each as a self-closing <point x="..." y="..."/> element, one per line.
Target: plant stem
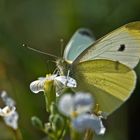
<point x="76" y="135"/>
<point x="88" y="135"/>
<point x="17" y="135"/>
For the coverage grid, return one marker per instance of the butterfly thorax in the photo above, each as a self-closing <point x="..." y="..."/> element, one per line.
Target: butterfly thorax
<point x="63" y="66"/>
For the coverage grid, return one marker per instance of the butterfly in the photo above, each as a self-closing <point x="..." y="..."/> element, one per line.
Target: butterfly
<point x="104" y="67"/>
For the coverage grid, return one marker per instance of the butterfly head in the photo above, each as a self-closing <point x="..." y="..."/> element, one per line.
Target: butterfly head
<point x="63" y="66"/>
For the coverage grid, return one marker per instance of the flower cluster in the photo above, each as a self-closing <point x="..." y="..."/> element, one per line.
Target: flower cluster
<point x="76" y="106"/>
<point x="79" y="108"/>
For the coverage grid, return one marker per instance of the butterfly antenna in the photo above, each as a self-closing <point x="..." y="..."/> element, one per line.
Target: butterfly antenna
<point x="38" y="51"/>
<point x="62" y="46"/>
<point x="51" y="61"/>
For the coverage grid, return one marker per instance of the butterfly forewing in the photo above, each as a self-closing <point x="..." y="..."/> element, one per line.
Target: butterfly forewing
<point x="121" y="45"/>
<point x="81" y="40"/>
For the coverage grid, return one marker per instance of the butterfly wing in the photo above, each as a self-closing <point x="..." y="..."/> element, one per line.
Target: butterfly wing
<point x="121" y="45"/>
<point x="82" y="39"/>
<point x="110" y="82"/>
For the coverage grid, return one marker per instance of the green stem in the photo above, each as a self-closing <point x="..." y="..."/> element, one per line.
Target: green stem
<point x="50" y="93"/>
<point x="75" y="135"/>
<point x="64" y="130"/>
<point x="18" y="135"/>
<point x="89" y="135"/>
<point x="62" y="134"/>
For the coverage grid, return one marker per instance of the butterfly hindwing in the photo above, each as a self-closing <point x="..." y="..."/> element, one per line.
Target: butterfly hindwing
<point x="110" y="82"/>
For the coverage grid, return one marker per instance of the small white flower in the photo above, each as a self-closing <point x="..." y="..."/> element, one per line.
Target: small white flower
<point x="65" y="81"/>
<point x="80" y="102"/>
<point x="9" y="114"/>
<point x="88" y="121"/>
<point x="78" y="107"/>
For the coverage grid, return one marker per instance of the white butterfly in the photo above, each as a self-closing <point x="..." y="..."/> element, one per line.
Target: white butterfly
<point x="104" y="67"/>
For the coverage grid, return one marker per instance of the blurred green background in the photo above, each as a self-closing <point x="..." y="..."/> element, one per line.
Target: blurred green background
<point x="41" y="24"/>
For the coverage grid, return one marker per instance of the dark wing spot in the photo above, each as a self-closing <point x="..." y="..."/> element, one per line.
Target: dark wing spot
<point x="85" y="32"/>
<point x="121" y="48"/>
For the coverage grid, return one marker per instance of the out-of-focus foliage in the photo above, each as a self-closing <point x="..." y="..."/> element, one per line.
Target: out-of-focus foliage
<point x="41" y="24"/>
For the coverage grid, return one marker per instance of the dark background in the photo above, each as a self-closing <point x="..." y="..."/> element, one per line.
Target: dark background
<point x="41" y="24"/>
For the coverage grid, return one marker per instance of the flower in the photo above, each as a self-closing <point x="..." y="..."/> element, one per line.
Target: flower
<point x="79" y="108"/>
<point x="60" y="81"/>
<point x="9" y="114"/>
<point x="70" y="104"/>
<point x="86" y="121"/>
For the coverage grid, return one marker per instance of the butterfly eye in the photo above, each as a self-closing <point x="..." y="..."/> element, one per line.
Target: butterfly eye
<point x="121" y="48"/>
